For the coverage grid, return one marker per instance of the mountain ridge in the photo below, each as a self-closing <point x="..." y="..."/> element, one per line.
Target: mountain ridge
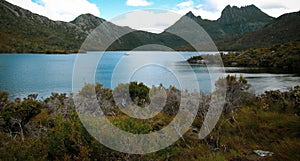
<point x="234" y="21"/>
<point x="283" y="29"/>
<point x="22" y="31"/>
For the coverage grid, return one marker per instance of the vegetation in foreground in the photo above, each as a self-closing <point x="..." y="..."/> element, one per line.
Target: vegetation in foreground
<point x="50" y="129"/>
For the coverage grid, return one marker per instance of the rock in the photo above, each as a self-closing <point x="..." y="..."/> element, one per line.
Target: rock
<point x="195" y="130"/>
<point x="263" y="153"/>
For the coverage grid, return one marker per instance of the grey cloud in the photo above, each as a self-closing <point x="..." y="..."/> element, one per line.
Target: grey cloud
<point x="272" y="6"/>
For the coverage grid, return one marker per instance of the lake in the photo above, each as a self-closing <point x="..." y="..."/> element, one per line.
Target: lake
<point x="23" y="74"/>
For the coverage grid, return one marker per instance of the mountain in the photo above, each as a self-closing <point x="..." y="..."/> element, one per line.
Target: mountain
<point x="22" y="31"/>
<point x="283" y="29"/>
<point x="246" y="27"/>
<point x="234" y="21"/>
<point x="87" y="22"/>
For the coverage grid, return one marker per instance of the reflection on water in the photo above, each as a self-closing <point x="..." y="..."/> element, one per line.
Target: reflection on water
<point x="262" y="80"/>
<point x="23" y="74"/>
<point x="166" y="68"/>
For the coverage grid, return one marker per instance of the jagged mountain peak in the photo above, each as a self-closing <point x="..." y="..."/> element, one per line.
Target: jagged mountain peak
<point x="232" y="14"/>
<point x="234" y="21"/>
<point x="248" y="7"/>
<point x="191" y="15"/>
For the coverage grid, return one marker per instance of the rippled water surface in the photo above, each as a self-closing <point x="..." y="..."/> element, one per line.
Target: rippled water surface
<point x="22" y="74"/>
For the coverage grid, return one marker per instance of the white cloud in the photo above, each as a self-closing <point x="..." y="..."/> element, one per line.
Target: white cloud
<point x="155" y="21"/>
<point x="64" y="10"/>
<point x="198" y="10"/>
<point x="211" y="9"/>
<point x="136" y="3"/>
<point x="186" y="4"/>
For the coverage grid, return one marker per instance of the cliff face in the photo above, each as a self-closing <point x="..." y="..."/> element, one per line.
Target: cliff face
<point x="236" y="21"/>
<point x="237" y="15"/>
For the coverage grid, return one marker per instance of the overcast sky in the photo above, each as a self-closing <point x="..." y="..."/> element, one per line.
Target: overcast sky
<point x="67" y="10"/>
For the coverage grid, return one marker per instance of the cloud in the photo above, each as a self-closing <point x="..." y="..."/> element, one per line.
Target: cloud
<point x="137" y="3"/>
<point x="155" y="21"/>
<point x="272" y="6"/>
<point x="186" y="4"/>
<point x="199" y="10"/>
<point x="64" y="10"/>
<point x="211" y="9"/>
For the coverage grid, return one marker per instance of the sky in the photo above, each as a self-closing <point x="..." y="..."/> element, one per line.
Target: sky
<point x="68" y="10"/>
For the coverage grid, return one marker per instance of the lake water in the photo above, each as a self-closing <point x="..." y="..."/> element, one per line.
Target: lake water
<point x="22" y="74"/>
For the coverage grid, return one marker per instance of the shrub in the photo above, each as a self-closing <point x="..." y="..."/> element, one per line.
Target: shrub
<point x="235" y="91"/>
<point x="296" y="94"/>
<point x="139" y="93"/>
<point x="17" y="114"/>
<point x="88" y="90"/>
<point x="3" y="98"/>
